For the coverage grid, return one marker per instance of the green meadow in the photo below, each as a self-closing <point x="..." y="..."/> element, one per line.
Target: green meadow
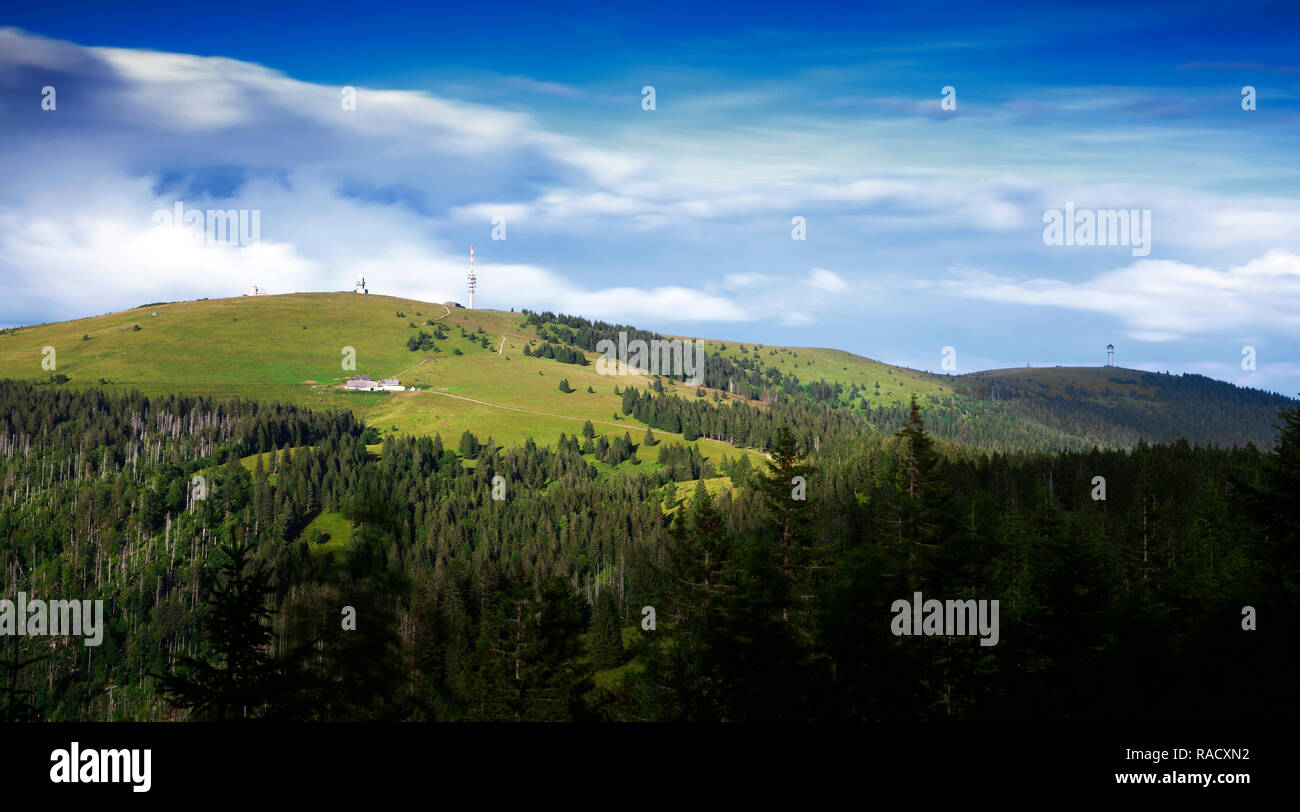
<point x="294" y="348"/>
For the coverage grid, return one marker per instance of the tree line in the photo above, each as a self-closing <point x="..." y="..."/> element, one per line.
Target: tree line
<point x="466" y="606"/>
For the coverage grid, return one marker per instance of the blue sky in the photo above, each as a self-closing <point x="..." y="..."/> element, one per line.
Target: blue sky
<point x="924" y="226"/>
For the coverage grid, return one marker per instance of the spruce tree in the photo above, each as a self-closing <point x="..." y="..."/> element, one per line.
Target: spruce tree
<point x="690" y="590"/>
<point x="790" y="516"/>
<point x="606" y="632"/>
<point x="527" y="654"/>
<point x="917" y="516"/>
<point x="16" y="701"/>
<point x="1276" y="508"/>
<point x="1276" y="502"/>
<point x="237" y="677"/>
<point x="469" y="445"/>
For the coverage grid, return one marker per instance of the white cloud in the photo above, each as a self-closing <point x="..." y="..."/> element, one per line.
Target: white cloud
<point x="740" y="281"/>
<point x="398" y="187"/>
<point x="1162" y="300"/>
<point x="829" y="281"/>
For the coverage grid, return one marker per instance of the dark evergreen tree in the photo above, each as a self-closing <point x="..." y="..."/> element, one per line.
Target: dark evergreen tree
<point x="791" y="518"/>
<point x="606" y="633"/>
<point x="237" y="678"/>
<point x="17" y="701"/>
<point x="469" y="446"/>
<point x="528" y="647"/>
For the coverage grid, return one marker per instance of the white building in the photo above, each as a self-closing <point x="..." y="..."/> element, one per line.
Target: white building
<point x="254" y="290"/>
<point x="361" y="284"/>
<point x="363" y="383"/>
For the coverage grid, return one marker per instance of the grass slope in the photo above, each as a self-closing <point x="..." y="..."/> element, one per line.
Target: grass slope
<point x="809" y="364"/>
<point x="291" y="348"/>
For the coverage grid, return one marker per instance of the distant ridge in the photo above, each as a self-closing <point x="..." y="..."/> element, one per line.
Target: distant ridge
<point x="291" y="347"/>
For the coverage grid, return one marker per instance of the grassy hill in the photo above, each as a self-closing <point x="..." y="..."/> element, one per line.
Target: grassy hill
<point x="476" y="377"/>
<point x="882" y="384"/>
<point x="291" y="348"/>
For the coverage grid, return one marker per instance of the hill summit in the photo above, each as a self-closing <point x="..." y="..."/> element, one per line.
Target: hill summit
<point x="505" y="375"/>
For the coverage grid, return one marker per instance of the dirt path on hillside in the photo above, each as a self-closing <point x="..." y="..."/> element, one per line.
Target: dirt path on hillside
<point x="429" y="358"/>
<point x="413" y="366"/>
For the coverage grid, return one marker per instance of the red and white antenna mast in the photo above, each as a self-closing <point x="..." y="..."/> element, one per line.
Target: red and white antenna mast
<point x="471" y="277"/>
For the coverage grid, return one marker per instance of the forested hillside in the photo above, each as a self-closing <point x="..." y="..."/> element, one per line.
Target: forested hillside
<point x="521" y="376"/>
<point x="467" y="606"/>
<point x="1044" y="409"/>
<point x="1116" y="408"/>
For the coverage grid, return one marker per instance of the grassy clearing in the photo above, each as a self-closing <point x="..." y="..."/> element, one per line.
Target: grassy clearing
<point x="715" y="486"/>
<point x="334" y="525"/>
